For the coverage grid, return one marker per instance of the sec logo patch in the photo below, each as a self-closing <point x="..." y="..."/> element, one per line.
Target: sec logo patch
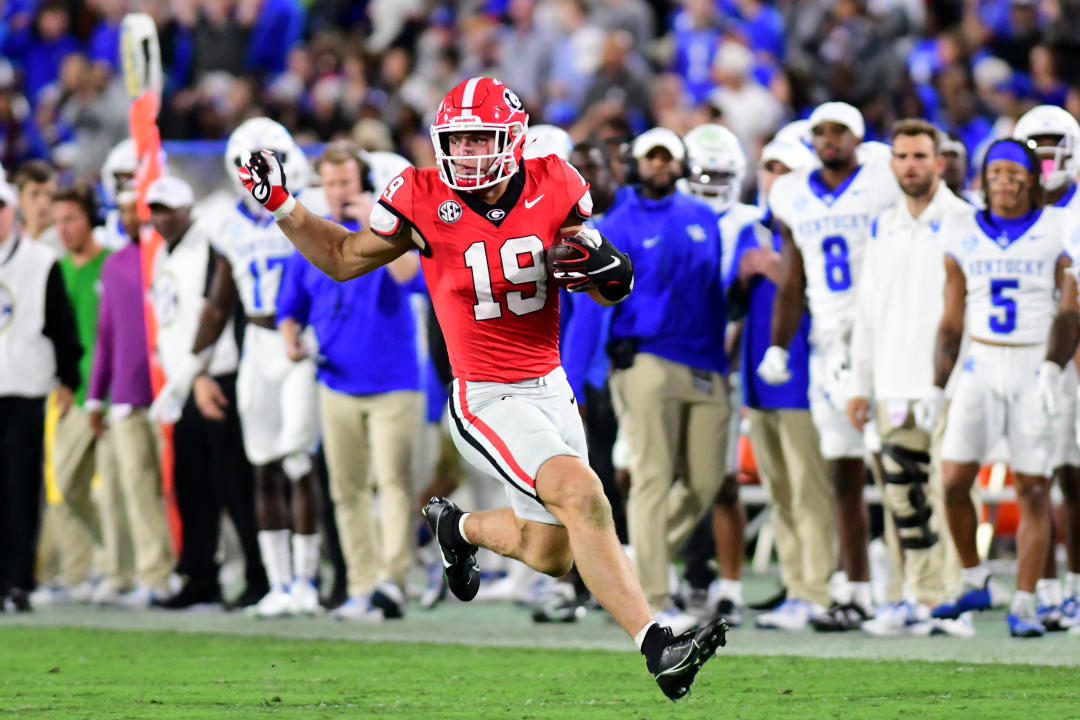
<point x="450" y="211"/>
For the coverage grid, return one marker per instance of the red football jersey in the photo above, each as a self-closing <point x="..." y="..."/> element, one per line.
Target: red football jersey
<point x="485" y="266"/>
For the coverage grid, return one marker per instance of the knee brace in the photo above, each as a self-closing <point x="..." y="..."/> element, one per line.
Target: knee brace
<point x="906" y="473"/>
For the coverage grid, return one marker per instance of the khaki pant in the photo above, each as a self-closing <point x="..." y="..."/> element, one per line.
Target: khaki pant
<point x="72" y="526"/>
<point x="660" y="403"/>
<point x="914" y="499"/>
<point x="133" y="507"/>
<point x="796" y="478"/>
<point x="368" y="444"/>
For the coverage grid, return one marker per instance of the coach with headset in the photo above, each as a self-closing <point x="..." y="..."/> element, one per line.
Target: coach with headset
<point x="667" y="350"/>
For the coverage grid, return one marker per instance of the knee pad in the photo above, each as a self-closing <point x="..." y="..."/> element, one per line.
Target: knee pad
<point x="906" y="474"/>
<point x="296" y="466"/>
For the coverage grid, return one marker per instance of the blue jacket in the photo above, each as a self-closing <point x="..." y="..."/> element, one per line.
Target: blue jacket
<point x="677" y="309"/>
<point x="755" y="340"/>
<point x="366" y="327"/>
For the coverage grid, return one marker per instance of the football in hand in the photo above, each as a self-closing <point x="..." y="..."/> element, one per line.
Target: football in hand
<point x="561" y="250"/>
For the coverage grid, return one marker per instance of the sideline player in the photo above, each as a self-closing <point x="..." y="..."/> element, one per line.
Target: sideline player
<point x="824" y="215"/>
<point x="483" y="220"/>
<point x="1003" y="267"/>
<point x="1056" y="137"/>
<point x="275" y="396"/>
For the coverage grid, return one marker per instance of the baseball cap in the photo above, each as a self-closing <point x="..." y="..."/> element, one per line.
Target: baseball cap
<point x="7" y="194"/>
<point x="840" y="113"/>
<point x="658" y="137"/>
<point x="170" y="191"/>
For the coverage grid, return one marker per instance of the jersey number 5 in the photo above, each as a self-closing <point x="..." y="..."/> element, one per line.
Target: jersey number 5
<point x="1006" y="322"/>
<point x="511" y="255"/>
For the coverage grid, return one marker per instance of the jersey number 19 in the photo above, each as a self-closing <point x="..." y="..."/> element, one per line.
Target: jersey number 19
<point x="522" y="260"/>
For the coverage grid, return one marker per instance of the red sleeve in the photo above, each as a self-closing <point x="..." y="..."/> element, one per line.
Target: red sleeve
<point x="577" y="189"/>
<point x="395" y="205"/>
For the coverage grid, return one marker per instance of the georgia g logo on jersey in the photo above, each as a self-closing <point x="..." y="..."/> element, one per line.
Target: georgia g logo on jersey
<point x="449" y="211"/>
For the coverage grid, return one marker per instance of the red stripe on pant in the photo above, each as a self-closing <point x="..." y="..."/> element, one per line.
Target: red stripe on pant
<point x="492" y="437"/>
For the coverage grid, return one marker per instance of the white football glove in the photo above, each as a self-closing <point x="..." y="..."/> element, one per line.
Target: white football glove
<point x="837" y="379"/>
<point x="1048" y="385"/>
<point x="169" y="403"/>
<point x="927" y="409"/>
<point x="773" y="367"/>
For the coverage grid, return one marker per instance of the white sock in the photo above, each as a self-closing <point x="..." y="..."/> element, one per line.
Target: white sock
<point x="639" y="639"/>
<point x="461" y="526"/>
<point x="274" y="548"/>
<point x="862" y="594"/>
<point x="1023" y="604"/>
<point x="731" y="590"/>
<point x="975" y="576"/>
<point x="1072" y="584"/>
<point x="1049" y="592"/>
<point x="305" y="557"/>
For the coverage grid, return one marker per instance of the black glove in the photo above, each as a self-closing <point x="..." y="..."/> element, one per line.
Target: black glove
<point x="600" y="265"/>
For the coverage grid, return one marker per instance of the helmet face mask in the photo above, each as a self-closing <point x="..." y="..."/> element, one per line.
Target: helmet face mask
<point x="480" y="105"/>
<point x="1054" y="135"/>
<point x="717" y="166"/>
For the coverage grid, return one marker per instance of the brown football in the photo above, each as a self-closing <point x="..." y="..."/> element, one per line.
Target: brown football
<point x="560" y="250"/>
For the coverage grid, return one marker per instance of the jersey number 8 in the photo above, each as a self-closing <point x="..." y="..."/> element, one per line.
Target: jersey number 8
<point x="837" y="268"/>
<point x="511" y="255"/>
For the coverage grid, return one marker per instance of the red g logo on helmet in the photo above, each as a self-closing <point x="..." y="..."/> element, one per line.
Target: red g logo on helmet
<point x="480" y="105"/>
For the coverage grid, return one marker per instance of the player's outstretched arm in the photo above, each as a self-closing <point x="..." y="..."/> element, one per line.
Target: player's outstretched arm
<point x="339" y="253"/>
<point x="788" y="304"/>
<point x="951" y="328"/>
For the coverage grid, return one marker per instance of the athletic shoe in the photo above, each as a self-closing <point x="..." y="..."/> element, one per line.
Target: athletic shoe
<point x="1070" y="613"/>
<point x="251" y="596"/>
<point x="387" y="596"/>
<point x="358" y="608"/>
<point x="960" y="627"/>
<point x="900" y="618"/>
<point x="48" y="594"/>
<point x="305" y="596"/>
<point x="105" y="594"/>
<point x="192" y="595"/>
<point x="677" y="620"/>
<point x="82" y="593"/>
<point x="458" y="556"/>
<point x="970" y="598"/>
<point x="729" y="611"/>
<point x="1025" y="627"/>
<point x="435" y="592"/>
<point x="558" y="603"/>
<point x="277" y="603"/>
<point x="19" y="600"/>
<point x="684" y="655"/>
<point x="772" y="602"/>
<point x="140" y="598"/>
<point x="791" y="614"/>
<point x="841" y="617"/>
<point x="1051" y="618"/>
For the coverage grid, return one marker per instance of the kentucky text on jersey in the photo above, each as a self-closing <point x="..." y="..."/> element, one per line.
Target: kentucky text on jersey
<point x="831" y="223"/>
<point x="1004" y="266"/>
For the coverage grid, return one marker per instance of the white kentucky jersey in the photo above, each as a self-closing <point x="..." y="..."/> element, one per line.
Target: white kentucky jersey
<point x="1010" y="273"/>
<point x="830" y="227"/>
<point x="1070" y="204"/>
<point x="257" y="250"/>
<point x="732" y="221"/>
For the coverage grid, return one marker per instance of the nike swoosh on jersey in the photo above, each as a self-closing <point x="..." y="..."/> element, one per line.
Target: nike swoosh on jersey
<point x="530" y="203"/>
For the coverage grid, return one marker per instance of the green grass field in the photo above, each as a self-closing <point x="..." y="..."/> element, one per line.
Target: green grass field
<point x="78" y="672"/>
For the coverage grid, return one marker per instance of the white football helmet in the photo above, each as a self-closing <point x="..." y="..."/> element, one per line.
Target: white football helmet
<point x="120" y="162"/>
<point x="263" y="133"/>
<point x="796" y="131"/>
<point x="716" y="165"/>
<point x="542" y="140"/>
<point x="873" y="151"/>
<point x="383" y="167"/>
<point x="792" y="154"/>
<point x="1060" y="163"/>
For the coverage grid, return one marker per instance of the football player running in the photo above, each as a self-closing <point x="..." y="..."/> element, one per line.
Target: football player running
<point x="275" y="396"/>
<point x="483" y="219"/>
<point x="1055" y="135"/>
<point x="824" y="215"/>
<point x="1004" y="267"/>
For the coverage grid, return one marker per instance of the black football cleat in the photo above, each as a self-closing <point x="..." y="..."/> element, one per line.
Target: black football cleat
<point x="458" y="556"/>
<point x="684" y="655"/>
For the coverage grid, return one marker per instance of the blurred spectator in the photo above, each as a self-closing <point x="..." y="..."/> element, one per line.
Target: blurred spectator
<point x="1046" y="81"/>
<point x="104" y="43"/>
<point x="276" y="28"/>
<point x="632" y="16"/>
<point x="39" y="48"/>
<point x="746" y="108"/>
<point x="95" y="110"/>
<point x="697" y="37"/>
<point x="759" y="25"/>
<point x="525" y="53"/>
<point x="19" y="136"/>
<point x="578" y="46"/>
<point x="39" y="344"/>
<point x="616" y="85"/>
<point x="35" y="181"/>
